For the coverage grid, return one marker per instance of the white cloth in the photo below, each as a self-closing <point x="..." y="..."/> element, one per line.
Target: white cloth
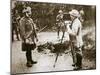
<point x="76" y="32"/>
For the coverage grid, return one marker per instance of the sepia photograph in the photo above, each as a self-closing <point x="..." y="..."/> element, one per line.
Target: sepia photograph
<point x="52" y="37"/>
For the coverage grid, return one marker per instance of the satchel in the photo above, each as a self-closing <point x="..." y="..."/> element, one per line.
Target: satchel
<point x="27" y="46"/>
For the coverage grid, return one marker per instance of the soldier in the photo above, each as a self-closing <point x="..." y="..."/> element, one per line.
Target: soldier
<point x="75" y="33"/>
<point x="60" y="23"/>
<point x="15" y="25"/>
<point x="28" y="34"/>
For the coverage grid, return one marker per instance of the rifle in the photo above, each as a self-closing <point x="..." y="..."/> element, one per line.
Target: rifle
<point x="42" y="28"/>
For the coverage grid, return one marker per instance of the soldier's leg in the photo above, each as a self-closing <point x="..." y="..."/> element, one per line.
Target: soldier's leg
<point x="63" y="31"/>
<point x="29" y="58"/>
<point x="79" y="58"/>
<point x="16" y="32"/>
<point x="73" y="55"/>
<point x="12" y="35"/>
<point x="58" y="30"/>
<point x="62" y="36"/>
<point x="12" y="32"/>
<point x="29" y="53"/>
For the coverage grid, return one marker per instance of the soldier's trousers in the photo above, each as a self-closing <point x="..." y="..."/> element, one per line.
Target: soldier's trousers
<point x="77" y="56"/>
<point x="29" y="55"/>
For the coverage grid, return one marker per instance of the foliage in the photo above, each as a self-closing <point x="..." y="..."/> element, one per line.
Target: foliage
<point x="45" y="13"/>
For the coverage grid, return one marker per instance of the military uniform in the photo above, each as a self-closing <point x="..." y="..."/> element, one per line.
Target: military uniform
<point x="60" y="24"/>
<point x="28" y="33"/>
<point x="15" y="26"/>
<point x="75" y="33"/>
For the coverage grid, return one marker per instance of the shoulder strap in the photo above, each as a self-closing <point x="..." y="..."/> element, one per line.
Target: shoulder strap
<point x="78" y="31"/>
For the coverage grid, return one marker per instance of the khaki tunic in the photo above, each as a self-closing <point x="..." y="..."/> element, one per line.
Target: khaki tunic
<point x="75" y="33"/>
<point x="27" y="30"/>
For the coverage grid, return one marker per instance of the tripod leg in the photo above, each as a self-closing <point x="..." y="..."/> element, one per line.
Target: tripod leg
<point x="55" y="60"/>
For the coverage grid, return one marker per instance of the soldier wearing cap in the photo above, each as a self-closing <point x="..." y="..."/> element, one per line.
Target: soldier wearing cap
<point x="28" y="34"/>
<point x="75" y="33"/>
<point x="15" y="25"/>
<point x="59" y="20"/>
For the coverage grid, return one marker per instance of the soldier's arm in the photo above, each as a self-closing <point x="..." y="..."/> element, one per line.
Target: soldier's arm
<point x="21" y="28"/>
<point x="34" y="29"/>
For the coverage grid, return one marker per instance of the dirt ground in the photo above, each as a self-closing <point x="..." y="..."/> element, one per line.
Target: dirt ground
<point x="46" y="59"/>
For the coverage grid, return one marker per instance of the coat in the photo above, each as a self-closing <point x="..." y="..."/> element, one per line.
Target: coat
<point x="27" y="33"/>
<point x="75" y="32"/>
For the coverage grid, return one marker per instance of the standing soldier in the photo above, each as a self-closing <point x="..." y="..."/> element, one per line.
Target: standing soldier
<point x="15" y="24"/>
<point x="28" y="34"/>
<point x="75" y="33"/>
<point x="59" y="20"/>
